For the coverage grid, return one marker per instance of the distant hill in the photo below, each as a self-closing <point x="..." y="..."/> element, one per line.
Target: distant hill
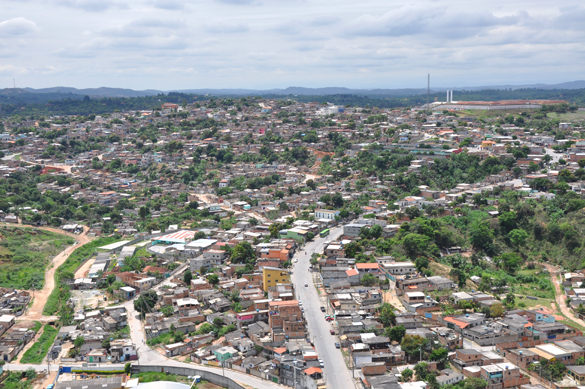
<point x="62" y="92"/>
<point x="97" y="92"/>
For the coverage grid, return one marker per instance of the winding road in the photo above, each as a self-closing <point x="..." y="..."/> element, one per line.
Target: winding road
<point x="560" y="297"/>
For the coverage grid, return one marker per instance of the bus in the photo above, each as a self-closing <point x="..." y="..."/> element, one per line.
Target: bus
<point x="324" y="233"/>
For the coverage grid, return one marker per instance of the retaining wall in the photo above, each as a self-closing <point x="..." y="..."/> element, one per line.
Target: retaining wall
<point x="216" y="379"/>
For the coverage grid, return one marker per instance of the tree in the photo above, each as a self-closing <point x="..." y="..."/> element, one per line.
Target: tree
<point x="146" y="302"/>
<point x="396" y="333"/>
<point x="510" y="262"/>
<point x="481" y="236"/>
<point x="282" y="206"/>
<point x="242" y="252"/>
<point x="474" y="383"/>
<point x="213" y="279"/>
<point x="143" y="212"/>
<point x="30" y="374"/>
<point x="79" y="341"/>
<point x="440" y="355"/>
<point x="421" y="263"/>
<point x="128" y="368"/>
<point x="496" y="310"/>
<point x="518" y="237"/>
<point x="580" y="361"/>
<point x="413" y="344"/>
<point x="167" y="311"/>
<point x="422" y="370"/>
<point x="510" y="300"/>
<point x="416" y="244"/>
<point x="187" y="277"/>
<point x="459" y="275"/>
<point x="387" y="315"/>
<point x="406" y="375"/>
<point x="376" y="231"/>
<point x="369" y="280"/>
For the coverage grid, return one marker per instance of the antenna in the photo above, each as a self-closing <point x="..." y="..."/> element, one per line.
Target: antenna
<point x="428" y="89"/>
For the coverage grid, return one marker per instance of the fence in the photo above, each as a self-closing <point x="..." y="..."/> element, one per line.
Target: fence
<point x="216" y="379"/>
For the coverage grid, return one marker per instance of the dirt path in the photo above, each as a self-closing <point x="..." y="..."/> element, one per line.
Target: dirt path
<point x="83" y="270"/>
<point x="560" y="296"/>
<point x="40" y="297"/>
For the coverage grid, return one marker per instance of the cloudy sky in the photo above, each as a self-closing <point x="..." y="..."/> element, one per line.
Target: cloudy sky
<point x="182" y="44"/>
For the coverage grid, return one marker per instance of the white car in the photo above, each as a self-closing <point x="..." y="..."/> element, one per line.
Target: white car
<point x="300" y="302"/>
<point x="296" y="260"/>
<point x="321" y="363"/>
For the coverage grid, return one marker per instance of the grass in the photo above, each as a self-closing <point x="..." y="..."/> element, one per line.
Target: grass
<point x="14" y="381"/>
<point x="166" y="338"/>
<point x="37" y="326"/>
<point x="533" y="303"/>
<point x="569" y="116"/>
<point x="37" y="352"/>
<point x="152" y="376"/>
<point x="60" y="294"/>
<point x="25" y="254"/>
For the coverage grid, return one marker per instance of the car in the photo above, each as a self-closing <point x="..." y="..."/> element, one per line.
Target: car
<point x="296" y="260"/>
<point x="321" y="363"/>
<point x="306" y="284"/>
<point x="322" y="309"/>
<point x="302" y="309"/>
<point x="336" y="345"/>
<point x="332" y="332"/>
<point x="300" y="302"/>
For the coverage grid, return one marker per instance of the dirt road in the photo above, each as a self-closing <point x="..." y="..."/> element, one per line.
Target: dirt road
<point x="40" y="297"/>
<point x="560" y="296"/>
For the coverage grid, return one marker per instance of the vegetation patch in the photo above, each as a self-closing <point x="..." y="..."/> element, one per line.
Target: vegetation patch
<point x="57" y="301"/>
<point x="37" y="352"/>
<point x="25" y="254"/>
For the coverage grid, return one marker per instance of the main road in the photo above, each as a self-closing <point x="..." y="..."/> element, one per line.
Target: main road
<point x="335" y="371"/>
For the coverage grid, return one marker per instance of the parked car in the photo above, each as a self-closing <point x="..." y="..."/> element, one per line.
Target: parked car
<point x="332" y="332"/>
<point x="322" y="309"/>
<point x="336" y="345"/>
<point x="306" y="285"/>
<point x="321" y="363"/>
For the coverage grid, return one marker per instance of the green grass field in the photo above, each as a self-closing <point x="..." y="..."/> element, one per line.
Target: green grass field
<point x="567" y="117"/>
<point x="25" y="254"/>
<point x="39" y="350"/>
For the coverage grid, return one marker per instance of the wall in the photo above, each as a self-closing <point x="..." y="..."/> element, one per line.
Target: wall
<point x="216" y="379"/>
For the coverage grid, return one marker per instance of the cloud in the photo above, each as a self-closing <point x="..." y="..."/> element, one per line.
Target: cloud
<point x="144" y="28"/>
<point x="17" y="27"/>
<point x="436" y="21"/>
<point x="92" y="5"/>
<point x="221" y="28"/>
<point x="169" y="5"/>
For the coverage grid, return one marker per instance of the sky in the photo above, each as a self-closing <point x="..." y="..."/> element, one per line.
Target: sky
<point x="265" y="44"/>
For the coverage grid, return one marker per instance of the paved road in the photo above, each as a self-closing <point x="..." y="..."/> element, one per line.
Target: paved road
<point x="335" y="371"/>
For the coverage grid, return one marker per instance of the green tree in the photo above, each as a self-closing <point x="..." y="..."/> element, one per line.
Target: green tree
<point x="167" y="311"/>
<point x="127" y="368"/>
<point x="422" y="370"/>
<point x="406" y="375"/>
<point x="518" y="237"/>
<point x="369" y="280"/>
<point x="242" y="252"/>
<point x="213" y="279"/>
<point x="187" y="277"/>
<point x="413" y="344"/>
<point x="146" y="302"/>
<point x="387" y="314"/>
<point x="396" y="333"/>
<point x="79" y="341"/>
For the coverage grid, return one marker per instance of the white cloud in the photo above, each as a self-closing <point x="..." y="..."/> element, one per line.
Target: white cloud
<point x="17" y="27"/>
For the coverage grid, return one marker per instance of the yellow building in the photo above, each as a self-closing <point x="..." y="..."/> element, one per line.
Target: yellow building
<point x="274" y="275"/>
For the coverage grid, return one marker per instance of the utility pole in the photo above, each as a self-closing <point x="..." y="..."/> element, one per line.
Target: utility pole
<point x="428" y="90"/>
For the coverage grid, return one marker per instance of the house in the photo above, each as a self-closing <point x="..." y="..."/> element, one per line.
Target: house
<point x="399" y="268"/>
<point x="274" y="275"/>
<point x="325" y="214"/>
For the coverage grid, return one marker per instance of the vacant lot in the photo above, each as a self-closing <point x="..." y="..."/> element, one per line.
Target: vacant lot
<point x="25" y="254"/>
